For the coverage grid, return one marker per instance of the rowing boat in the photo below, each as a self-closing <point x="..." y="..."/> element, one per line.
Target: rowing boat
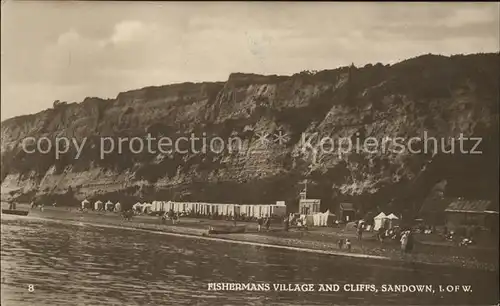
<point x="15" y="212"/>
<point x="226" y="229"/>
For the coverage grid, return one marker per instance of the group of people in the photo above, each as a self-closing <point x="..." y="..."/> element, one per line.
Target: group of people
<point x="171" y="215"/>
<point x="392" y="233"/>
<point x="294" y="220"/>
<point x="406" y="241"/>
<point x="266" y="222"/>
<point x="346" y="242"/>
<point x="41" y="206"/>
<point x="12" y="205"/>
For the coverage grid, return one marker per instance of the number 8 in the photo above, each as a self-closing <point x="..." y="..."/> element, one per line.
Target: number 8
<point x="31" y="288"/>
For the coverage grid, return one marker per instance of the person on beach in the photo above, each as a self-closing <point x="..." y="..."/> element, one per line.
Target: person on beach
<point x="409" y="242"/>
<point x="404" y="242"/>
<point x="267" y="223"/>
<point x="259" y="223"/>
<point x="171" y="215"/>
<point x="360" y="231"/>
<point x="348" y="244"/>
<point x="380" y="234"/>
<point x="285" y="224"/>
<point x="340" y="243"/>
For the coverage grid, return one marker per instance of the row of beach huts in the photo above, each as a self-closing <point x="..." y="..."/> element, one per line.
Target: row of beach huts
<point x="221" y="209"/>
<point x="199" y="208"/>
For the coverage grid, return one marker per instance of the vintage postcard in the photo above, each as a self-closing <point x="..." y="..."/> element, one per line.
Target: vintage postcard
<point x="249" y="153"/>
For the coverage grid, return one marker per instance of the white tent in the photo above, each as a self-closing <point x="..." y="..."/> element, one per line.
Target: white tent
<point x="146" y="207"/>
<point x="323" y="219"/>
<point x="157" y="206"/>
<point x="98" y="205"/>
<point x="136" y="206"/>
<point x="393" y="220"/>
<point x="85" y="204"/>
<point x="109" y="205"/>
<point x="378" y="221"/>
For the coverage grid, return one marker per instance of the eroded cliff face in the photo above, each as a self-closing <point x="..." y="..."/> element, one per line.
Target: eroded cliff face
<point x="441" y="96"/>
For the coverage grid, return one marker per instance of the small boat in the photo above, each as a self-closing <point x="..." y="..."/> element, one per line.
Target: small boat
<point x="226" y="229"/>
<point x="15" y="212"/>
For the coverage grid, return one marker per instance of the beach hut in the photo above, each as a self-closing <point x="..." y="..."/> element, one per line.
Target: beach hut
<point x="379" y="220"/>
<point x="109" y="206"/>
<point x="324" y="219"/>
<point x="137" y="207"/>
<point x="279" y="209"/>
<point x="156" y="206"/>
<point x="98" y="205"/>
<point x="309" y="220"/>
<point x="86" y="204"/>
<point x="328" y="218"/>
<point x="169" y="206"/>
<point x="230" y="209"/>
<point x="146" y="208"/>
<point x="245" y="210"/>
<point x="393" y="220"/>
<point x="190" y="207"/>
<point x="118" y="207"/>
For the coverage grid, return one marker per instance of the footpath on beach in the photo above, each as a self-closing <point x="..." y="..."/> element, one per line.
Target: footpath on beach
<point x="313" y="241"/>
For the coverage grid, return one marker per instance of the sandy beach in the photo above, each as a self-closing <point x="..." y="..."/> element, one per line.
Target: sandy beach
<point x="320" y="240"/>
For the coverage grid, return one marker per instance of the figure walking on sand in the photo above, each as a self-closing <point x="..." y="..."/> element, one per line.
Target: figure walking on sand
<point x="380" y="234"/>
<point x="259" y="223"/>
<point x="409" y="242"/>
<point x="404" y="242"/>
<point x="348" y="244"/>
<point x="340" y="243"/>
<point x="171" y="216"/>
<point x="267" y="223"/>
<point x="286" y="224"/>
<point x="360" y="231"/>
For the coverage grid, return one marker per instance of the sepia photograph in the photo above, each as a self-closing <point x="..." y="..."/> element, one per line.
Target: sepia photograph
<point x="249" y="153"/>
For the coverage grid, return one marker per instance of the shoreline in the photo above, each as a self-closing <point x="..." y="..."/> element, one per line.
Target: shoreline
<point x="311" y="242"/>
<point x="212" y="238"/>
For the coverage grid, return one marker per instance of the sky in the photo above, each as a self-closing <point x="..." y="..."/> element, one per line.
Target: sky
<point x="71" y="50"/>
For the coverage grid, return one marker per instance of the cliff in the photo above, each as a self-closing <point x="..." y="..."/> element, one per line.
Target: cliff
<point x="443" y="96"/>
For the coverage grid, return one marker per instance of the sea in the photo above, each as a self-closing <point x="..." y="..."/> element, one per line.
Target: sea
<point x="56" y="263"/>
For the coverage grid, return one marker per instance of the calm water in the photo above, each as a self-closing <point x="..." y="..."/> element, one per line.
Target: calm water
<point x="87" y="265"/>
